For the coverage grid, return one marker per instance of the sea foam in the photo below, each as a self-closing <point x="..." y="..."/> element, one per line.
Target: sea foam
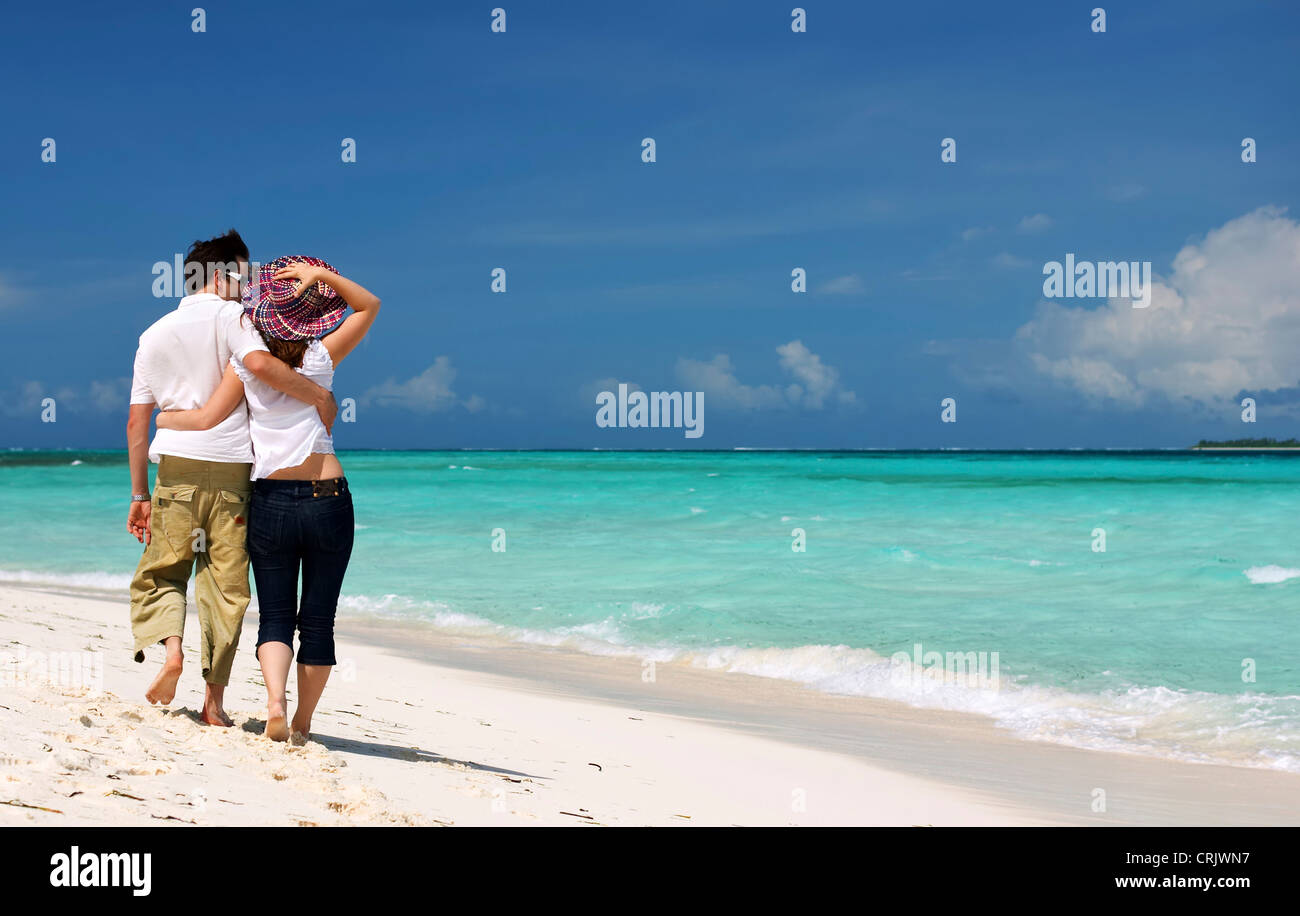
<point x="1271" y="574"/>
<point x="99" y="581"/>
<point x="1247" y="729"/>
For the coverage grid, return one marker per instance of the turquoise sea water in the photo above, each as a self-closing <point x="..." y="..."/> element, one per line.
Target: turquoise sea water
<point x="687" y="557"/>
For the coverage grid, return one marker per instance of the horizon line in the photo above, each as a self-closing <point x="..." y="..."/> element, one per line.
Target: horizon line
<point x="743" y="449"/>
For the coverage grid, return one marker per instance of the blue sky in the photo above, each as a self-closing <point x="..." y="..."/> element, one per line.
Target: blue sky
<point x="775" y="150"/>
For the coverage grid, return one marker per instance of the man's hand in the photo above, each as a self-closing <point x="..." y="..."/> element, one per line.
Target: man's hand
<point x="137" y="458"/>
<point x="328" y="408"/>
<point x="137" y="521"/>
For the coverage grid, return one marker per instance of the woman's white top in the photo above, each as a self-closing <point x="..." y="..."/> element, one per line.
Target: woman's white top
<point x="285" y="430"/>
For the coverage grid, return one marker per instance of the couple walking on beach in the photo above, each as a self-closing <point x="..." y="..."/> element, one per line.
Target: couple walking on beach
<point x="242" y="372"/>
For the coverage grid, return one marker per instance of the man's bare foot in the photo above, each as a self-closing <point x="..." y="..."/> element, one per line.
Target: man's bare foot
<point x="214" y="712"/>
<point x="216" y="717"/>
<point x="163" y="688"/>
<point x="277" y="724"/>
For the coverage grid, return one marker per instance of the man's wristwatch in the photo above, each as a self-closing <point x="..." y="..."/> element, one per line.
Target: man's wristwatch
<point x="138" y="498"/>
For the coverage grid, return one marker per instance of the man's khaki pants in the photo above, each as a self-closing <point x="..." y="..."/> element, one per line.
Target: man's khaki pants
<point x="197" y="522"/>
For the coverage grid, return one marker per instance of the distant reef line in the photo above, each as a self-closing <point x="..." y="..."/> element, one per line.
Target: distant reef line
<point x="1243" y="444"/>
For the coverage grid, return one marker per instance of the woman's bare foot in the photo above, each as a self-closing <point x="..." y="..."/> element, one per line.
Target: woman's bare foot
<point x="277" y="723"/>
<point x="302" y="729"/>
<point x="163" y="688"/>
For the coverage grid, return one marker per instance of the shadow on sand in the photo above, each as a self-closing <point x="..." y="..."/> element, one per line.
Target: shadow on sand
<point x="387" y="751"/>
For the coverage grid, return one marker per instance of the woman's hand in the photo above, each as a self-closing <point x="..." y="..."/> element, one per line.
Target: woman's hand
<point x="305" y="274"/>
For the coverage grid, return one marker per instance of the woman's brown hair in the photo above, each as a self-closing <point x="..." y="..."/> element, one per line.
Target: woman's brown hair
<point x="287" y="351"/>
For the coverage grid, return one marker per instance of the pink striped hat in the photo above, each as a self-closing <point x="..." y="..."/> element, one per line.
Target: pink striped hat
<point x="280" y="309"/>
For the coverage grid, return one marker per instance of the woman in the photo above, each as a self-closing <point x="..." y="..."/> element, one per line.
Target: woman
<point x="300" y="515"/>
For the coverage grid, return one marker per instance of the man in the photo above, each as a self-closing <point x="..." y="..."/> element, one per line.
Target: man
<point x="195" y="520"/>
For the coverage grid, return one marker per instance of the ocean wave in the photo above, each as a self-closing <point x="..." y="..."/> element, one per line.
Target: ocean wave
<point x="1247" y="729"/>
<point x="1242" y="729"/>
<point x="114" y="582"/>
<point x="1270" y="575"/>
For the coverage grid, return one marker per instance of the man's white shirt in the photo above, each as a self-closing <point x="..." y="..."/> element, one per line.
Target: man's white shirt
<point x="178" y="366"/>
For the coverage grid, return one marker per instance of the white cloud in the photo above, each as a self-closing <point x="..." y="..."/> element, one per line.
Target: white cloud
<point x="1226" y="319"/>
<point x="814" y="383"/>
<point x="1009" y="261"/>
<point x="110" y="394"/>
<point x="428" y="392"/>
<point x="588" y="393"/>
<point x="817" y="380"/>
<point x="818" y="214"/>
<point x="975" y="232"/>
<point x="14" y="294"/>
<point x="1039" y="222"/>
<point x="842" y="286"/>
<point x="102" y="396"/>
<point x="717" y="379"/>
<point x="1123" y="193"/>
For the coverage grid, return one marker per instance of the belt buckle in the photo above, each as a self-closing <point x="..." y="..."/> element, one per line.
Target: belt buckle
<point x="324" y="488"/>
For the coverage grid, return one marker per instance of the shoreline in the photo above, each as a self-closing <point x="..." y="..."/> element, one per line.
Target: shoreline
<point x="116" y="451"/>
<point x="731" y="748"/>
<point x="959" y="749"/>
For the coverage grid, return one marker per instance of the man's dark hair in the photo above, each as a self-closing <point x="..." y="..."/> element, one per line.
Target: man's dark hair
<point x="205" y="257"/>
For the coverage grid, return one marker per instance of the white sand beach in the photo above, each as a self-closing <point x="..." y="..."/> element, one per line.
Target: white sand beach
<point x="420" y="728"/>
